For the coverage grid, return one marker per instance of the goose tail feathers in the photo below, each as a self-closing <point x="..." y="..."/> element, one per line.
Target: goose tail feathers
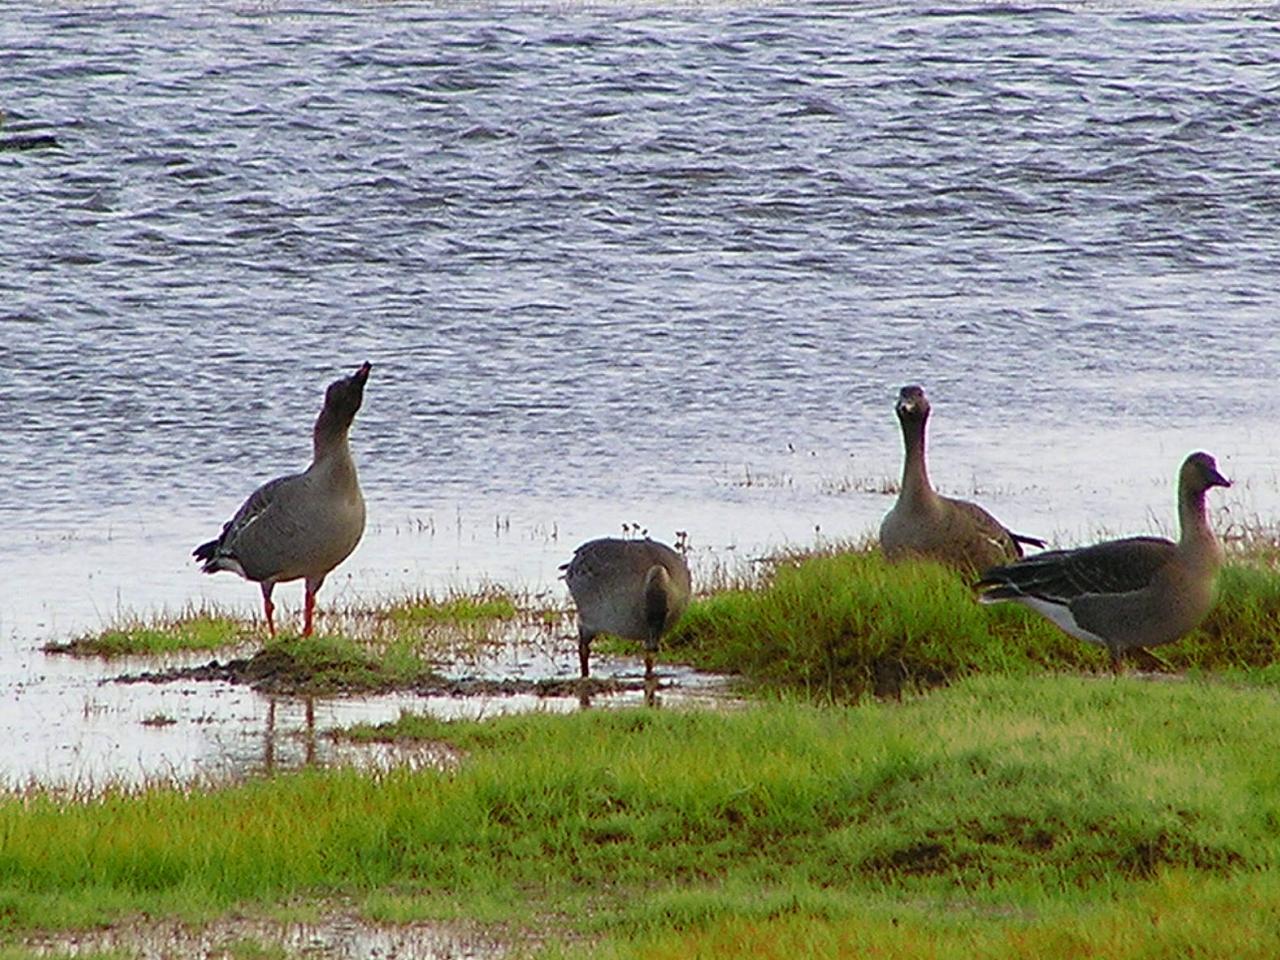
<point x="214" y="559"/>
<point x="206" y="551"/>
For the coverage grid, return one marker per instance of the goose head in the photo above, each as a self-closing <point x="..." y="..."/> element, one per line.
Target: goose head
<point x="912" y="405"/>
<point x="343" y="397"/>
<point x="1199" y="473"/>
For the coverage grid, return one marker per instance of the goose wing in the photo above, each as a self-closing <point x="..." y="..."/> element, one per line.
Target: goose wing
<point x="1062" y="576"/>
<point x="259" y="521"/>
<point x="982" y="525"/>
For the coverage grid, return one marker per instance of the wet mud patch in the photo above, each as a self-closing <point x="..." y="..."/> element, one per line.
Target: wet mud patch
<point x="301" y="668"/>
<point x="270" y="672"/>
<point x="339" y="935"/>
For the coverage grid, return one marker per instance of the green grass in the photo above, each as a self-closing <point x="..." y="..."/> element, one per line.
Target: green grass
<point x="833" y="625"/>
<point x="1000" y="800"/>
<point x="329" y="664"/>
<point x="1023" y="809"/>
<point x="1175" y="917"/>
<point x="846" y="623"/>
<point x="421" y="620"/>
<point x="459" y="608"/>
<point x="193" y="630"/>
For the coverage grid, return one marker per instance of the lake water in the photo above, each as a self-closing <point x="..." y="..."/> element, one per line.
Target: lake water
<point x="618" y="264"/>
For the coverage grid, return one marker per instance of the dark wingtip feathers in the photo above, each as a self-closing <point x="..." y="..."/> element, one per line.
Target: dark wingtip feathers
<point x="989" y="591"/>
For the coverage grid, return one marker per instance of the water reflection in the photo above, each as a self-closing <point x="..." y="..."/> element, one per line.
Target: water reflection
<point x="342" y="935"/>
<point x="81" y="728"/>
<point x="306" y="733"/>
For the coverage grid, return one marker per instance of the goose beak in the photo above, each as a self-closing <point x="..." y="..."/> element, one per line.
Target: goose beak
<point x="1218" y="480"/>
<point x="363" y="373"/>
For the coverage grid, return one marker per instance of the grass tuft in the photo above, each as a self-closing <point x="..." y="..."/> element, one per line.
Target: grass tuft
<point x="194" y="630"/>
<point x="487" y="604"/>
<point x="846" y="623"/>
<point x="328" y="664"/>
<point x="842" y="624"/>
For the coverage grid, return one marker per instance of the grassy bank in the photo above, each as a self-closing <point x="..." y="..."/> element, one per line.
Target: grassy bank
<point x="1173" y="918"/>
<point x="845" y="623"/>
<point x="1008" y="806"/>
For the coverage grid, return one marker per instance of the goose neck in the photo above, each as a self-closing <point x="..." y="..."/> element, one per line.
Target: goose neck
<point x="1197" y="538"/>
<point x="330" y="434"/>
<point x="915" y="475"/>
<point x="333" y="455"/>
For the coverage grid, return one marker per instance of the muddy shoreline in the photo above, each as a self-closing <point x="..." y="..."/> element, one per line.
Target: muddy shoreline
<point x="269" y="676"/>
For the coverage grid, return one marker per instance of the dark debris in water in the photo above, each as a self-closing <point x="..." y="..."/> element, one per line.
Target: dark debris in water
<point x="22" y="144"/>
<point x="267" y="672"/>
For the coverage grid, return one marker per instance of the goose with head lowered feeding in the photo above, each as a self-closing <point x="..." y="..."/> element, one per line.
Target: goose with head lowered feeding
<point x="302" y="525"/>
<point x="1126" y="595"/>
<point x="923" y="523"/>
<point x="634" y="589"/>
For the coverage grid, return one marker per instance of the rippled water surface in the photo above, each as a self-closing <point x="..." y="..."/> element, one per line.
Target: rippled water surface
<point x="618" y="263"/>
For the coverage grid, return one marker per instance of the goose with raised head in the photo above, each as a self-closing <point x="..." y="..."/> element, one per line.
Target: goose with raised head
<point x="923" y="523"/>
<point x="1131" y="594"/>
<point x="634" y="589"/>
<point x="302" y="525"/>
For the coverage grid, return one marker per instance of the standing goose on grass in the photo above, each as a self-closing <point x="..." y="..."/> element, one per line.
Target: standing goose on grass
<point x="1126" y="595"/>
<point x="634" y="589"/>
<point x="923" y="523"/>
<point x="305" y="524"/>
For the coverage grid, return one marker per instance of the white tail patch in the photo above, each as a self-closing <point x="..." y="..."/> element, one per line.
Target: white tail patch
<point x="227" y="563"/>
<point x="1061" y="615"/>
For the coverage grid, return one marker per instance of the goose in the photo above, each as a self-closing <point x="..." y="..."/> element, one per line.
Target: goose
<point x="634" y="589"/>
<point x="923" y="523"/>
<point x="1125" y="595"/>
<point x="304" y="524"/>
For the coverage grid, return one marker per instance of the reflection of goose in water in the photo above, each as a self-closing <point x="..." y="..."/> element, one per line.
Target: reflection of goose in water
<point x="40" y="141"/>
<point x="269" y="738"/>
<point x="308" y="734"/>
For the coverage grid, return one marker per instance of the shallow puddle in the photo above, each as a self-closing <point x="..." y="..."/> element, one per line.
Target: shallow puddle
<point x="78" y="726"/>
<point x="340" y="937"/>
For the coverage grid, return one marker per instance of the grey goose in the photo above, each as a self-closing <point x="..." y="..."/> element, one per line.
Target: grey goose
<point x="302" y="525"/>
<point x="634" y="589"/>
<point x="923" y="523"/>
<point x="1126" y="595"/>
